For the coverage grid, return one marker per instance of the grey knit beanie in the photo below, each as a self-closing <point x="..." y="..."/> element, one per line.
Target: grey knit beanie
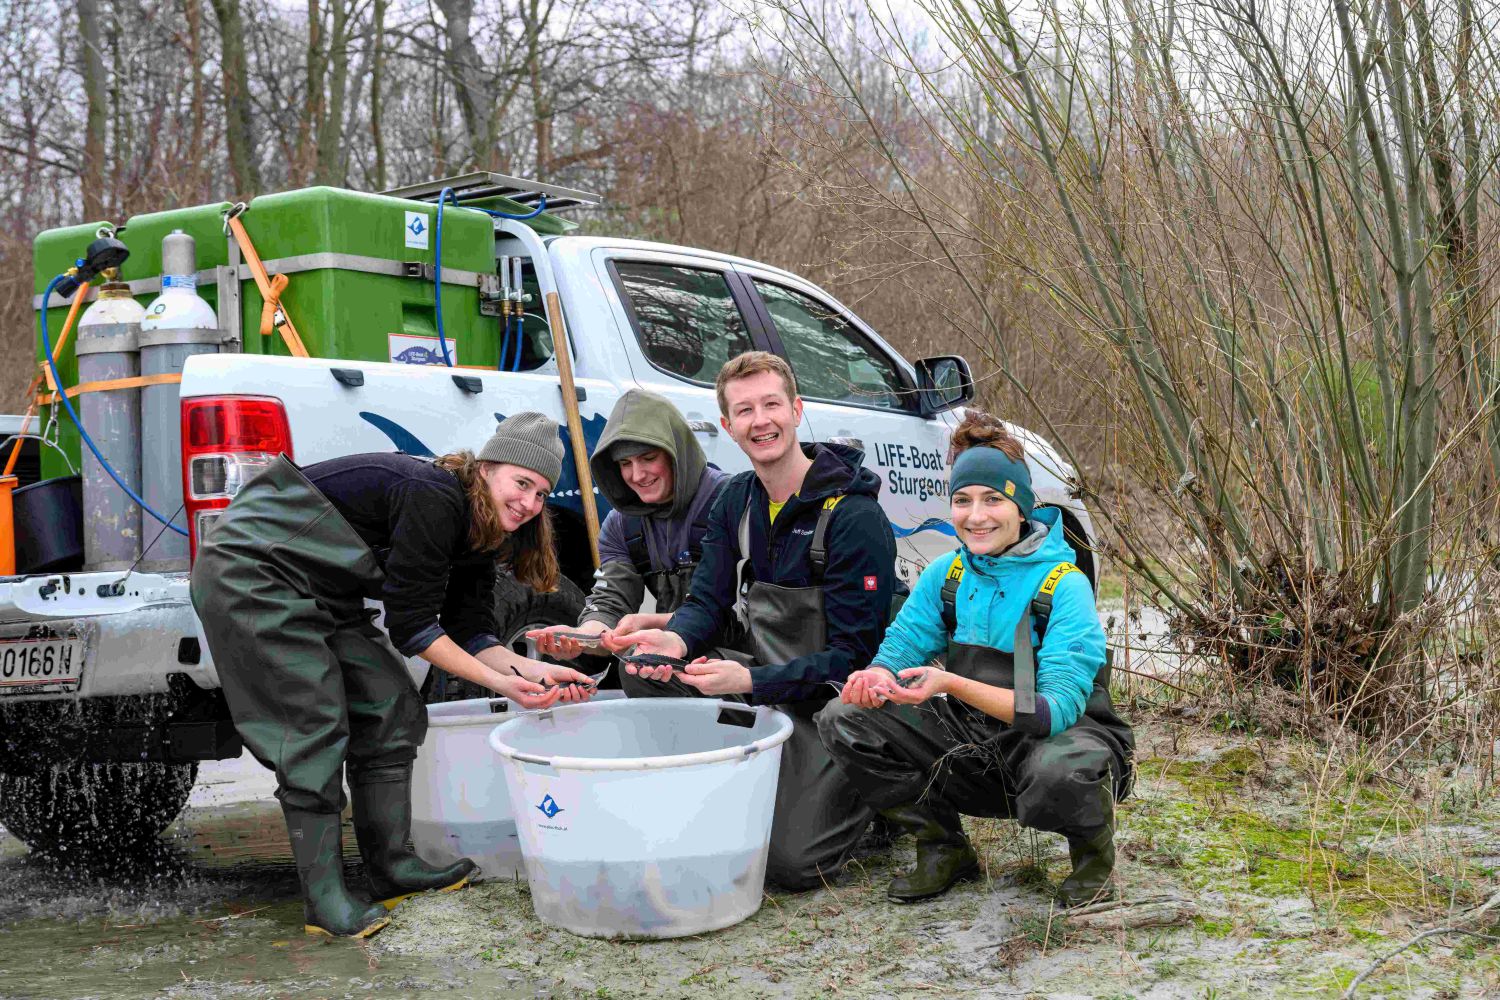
<point x="529" y="440"/>
<point x="623" y="449"/>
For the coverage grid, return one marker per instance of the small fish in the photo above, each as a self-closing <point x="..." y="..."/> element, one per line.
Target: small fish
<point x="587" y="638"/>
<point x="654" y="660"/>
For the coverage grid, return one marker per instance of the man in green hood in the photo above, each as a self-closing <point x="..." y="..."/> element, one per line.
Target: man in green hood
<point x="651" y="469"/>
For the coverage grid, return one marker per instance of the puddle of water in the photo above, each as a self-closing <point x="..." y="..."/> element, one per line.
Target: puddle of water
<point x="211" y="911"/>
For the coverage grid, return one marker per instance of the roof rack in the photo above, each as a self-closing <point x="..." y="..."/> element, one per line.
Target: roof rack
<point x="483" y="184"/>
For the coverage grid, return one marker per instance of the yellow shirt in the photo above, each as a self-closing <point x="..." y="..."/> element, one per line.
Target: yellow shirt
<point x="775" y="508"/>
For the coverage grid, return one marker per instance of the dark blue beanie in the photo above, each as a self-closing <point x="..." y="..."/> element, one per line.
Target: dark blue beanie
<point x="991" y="467"/>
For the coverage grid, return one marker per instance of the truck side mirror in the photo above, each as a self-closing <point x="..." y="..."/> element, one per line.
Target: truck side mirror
<point x="943" y="382"/>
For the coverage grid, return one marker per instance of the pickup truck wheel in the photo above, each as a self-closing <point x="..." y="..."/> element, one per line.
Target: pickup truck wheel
<point x="518" y="610"/>
<point x="92" y="813"/>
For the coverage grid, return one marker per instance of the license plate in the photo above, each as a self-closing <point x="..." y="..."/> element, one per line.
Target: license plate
<point x="33" y="665"/>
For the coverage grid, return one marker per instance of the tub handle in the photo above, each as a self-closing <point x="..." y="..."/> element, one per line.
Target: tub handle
<point x="733" y="715"/>
<point x="527" y="758"/>
<point x="751" y="749"/>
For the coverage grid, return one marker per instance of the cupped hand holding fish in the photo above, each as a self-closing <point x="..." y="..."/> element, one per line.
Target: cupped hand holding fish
<point x="566" y="641"/>
<point x="655" y="641"/>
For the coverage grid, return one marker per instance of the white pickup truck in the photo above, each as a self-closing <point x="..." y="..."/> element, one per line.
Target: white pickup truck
<point x="111" y="701"/>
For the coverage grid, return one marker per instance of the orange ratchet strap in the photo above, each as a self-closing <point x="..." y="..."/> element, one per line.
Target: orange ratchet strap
<point x="273" y="315"/>
<point x="15" y="451"/>
<point x="44" y="374"/>
<point x="106" y="385"/>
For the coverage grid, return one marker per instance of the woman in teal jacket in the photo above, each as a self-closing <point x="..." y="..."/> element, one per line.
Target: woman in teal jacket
<point x="1032" y="736"/>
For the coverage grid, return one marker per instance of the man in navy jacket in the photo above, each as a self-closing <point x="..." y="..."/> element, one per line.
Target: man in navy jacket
<point x="816" y="612"/>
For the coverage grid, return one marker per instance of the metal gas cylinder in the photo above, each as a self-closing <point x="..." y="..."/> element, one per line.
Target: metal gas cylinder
<point x="177" y="326"/>
<point x="108" y="348"/>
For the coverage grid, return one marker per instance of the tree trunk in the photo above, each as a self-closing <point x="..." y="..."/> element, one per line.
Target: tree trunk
<point x="541" y="102"/>
<point x="476" y="103"/>
<point x="312" y="107"/>
<point x="238" y="132"/>
<point x="91" y="57"/>
<point x="193" y="10"/>
<point x="377" y="74"/>
<point x="330" y="145"/>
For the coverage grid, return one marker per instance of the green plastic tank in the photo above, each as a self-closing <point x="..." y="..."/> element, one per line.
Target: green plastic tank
<point x="340" y="310"/>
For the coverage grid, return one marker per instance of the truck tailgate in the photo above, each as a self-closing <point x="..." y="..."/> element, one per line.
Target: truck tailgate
<point x="339" y="408"/>
<point x="98" y="635"/>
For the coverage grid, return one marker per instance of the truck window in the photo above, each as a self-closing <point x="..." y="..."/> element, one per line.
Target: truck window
<point x="685" y="318"/>
<point x="536" y="332"/>
<point x="832" y="359"/>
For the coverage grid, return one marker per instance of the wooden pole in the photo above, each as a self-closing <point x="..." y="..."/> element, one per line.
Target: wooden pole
<point x="564" y="356"/>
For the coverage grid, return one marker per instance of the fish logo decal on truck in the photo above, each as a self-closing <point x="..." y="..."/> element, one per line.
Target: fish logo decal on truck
<point x="419" y="356"/>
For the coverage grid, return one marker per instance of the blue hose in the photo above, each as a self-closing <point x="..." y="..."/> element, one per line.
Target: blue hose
<point x="520" y="339"/>
<point x="73" y="414"/>
<point x="504" y="345"/>
<point x="437" y="275"/>
<point x="437" y="270"/>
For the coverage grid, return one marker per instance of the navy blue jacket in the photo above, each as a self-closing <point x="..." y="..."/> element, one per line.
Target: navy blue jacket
<point x="858" y="580"/>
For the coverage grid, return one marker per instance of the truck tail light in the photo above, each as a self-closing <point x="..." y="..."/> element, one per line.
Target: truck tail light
<point x="225" y="441"/>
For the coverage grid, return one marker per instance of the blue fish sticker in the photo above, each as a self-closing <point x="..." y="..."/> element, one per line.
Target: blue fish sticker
<point x="419" y="355"/>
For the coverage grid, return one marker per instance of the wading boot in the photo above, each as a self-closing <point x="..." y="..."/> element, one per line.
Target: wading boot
<point x="944" y="856"/>
<point x="382" y="825"/>
<point x="1093" y="855"/>
<point x="328" y="907"/>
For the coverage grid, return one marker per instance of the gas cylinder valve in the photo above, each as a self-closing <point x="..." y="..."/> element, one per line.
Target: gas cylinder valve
<point x="104" y="253"/>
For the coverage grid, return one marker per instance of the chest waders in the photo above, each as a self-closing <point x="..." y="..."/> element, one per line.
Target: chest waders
<point x="311" y="681"/>
<point x="819" y="815"/>
<point x="669" y="586"/>
<point x="926" y="765"/>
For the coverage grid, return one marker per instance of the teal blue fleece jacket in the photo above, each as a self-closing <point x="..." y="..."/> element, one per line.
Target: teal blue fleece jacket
<point x="991" y="598"/>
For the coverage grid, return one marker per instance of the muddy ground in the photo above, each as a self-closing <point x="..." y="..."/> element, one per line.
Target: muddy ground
<point x="1262" y="868"/>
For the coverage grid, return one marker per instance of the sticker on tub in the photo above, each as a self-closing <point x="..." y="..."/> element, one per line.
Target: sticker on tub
<point x="416" y="230"/>
<point x="549" y="808"/>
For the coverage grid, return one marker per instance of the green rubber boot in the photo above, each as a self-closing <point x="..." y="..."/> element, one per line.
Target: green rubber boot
<point x="328" y="907"/>
<point x="382" y="825"/>
<point x="944" y="856"/>
<point x="1093" y="856"/>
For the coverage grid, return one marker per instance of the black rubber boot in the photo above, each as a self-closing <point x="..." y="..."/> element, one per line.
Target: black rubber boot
<point x="382" y="825"/>
<point x="944" y="855"/>
<point x="1093" y="856"/>
<point x="328" y="907"/>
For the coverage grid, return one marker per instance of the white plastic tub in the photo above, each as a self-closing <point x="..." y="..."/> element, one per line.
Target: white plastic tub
<point x="460" y="807"/>
<point x="646" y="817"/>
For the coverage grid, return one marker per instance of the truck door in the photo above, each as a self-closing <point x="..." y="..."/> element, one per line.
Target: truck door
<point x="856" y="390"/>
<point x="687" y="315"/>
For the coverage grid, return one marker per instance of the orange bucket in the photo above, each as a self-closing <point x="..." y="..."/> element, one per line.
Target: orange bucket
<point x="7" y="527"/>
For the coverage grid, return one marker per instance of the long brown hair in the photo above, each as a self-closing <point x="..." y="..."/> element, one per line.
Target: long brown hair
<point x="979" y="429"/>
<point x="531" y="552"/>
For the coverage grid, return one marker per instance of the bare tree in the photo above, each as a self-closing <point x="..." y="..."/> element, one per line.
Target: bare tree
<point x="91" y="66"/>
<point x="377" y="78"/>
<point x="1230" y="206"/>
<point x="238" y="128"/>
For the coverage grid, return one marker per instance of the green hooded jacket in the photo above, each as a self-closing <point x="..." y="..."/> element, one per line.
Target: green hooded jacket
<point x="645" y="418"/>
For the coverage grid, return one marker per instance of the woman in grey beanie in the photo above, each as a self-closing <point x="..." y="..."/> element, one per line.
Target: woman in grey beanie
<point x="315" y="687"/>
